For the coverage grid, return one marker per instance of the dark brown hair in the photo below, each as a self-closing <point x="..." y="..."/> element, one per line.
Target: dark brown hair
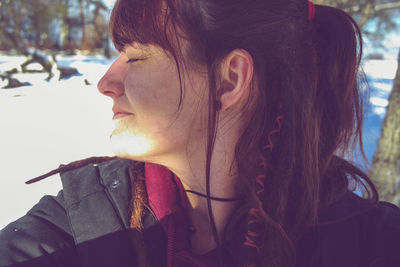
<point x="305" y="120"/>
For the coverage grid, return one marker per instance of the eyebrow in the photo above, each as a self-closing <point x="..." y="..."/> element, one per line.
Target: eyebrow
<point x="138" y="47"/>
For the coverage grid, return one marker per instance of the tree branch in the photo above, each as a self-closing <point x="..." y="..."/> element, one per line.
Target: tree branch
<point x="367" y="13"/>
<point x="386" y="6"/>
<point x="377" y="8"/>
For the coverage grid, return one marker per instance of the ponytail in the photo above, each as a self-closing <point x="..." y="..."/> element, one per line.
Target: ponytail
<point x="338" y="43"/>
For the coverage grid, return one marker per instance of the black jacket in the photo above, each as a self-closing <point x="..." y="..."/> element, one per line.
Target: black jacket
<point x="87" y="224"/>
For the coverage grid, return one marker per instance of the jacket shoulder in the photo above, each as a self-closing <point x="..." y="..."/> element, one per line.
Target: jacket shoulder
<point x="48" y="235"/>
<point x="38" y="236"/>
<point x="381" y="242"/>
<point x="370" y="238"/>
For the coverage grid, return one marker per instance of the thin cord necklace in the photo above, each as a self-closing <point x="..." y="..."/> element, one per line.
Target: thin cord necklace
<point x="192" y="228"/>
<point x="213" y="198"/>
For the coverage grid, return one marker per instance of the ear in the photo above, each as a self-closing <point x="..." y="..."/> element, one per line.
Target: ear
<point x="236" y="74"/>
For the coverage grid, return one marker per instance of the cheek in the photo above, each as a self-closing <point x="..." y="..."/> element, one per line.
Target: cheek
<point x="155" y="92"/>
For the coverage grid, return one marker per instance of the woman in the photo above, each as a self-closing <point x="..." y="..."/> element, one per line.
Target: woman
<point x="234" y="122"/>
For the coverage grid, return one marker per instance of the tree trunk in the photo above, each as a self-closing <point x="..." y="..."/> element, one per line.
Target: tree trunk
<point x="367" y="13"/>
<point x="65" y="32"/>
<point x="83" y="25"/>
<point x="107" y="50"/>
<point x="385" y="170"/>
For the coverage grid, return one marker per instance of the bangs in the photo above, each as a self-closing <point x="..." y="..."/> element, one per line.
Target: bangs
<point x="140" y="21"/>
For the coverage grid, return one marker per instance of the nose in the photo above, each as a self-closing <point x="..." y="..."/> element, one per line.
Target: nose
<point x="112" y="83"/>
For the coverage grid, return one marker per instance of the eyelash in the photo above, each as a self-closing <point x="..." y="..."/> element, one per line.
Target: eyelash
<point x="131" y="60"/>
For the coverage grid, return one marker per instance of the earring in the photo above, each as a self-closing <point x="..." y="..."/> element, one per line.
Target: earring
<point x="218" y="105"/>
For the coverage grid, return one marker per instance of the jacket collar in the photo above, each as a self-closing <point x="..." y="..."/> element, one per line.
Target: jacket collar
<point x="96" y="199"/>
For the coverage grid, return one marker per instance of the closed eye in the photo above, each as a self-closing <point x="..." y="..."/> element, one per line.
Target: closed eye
<point x="131" y="60"/>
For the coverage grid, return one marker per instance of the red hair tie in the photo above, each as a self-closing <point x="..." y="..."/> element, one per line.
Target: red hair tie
<point x="311" y="11"/>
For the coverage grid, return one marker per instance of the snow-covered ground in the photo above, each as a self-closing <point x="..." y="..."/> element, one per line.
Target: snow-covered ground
<point x="45" y="125"/>
<point x="50" y="123"/>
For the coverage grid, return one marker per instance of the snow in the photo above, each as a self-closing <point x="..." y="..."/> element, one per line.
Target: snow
<point x="380" y="69"/>
<point x="110" y="3"/>
<point x="56" y="122"/>
<point x="379" y="102"/>
<point x="48" y="124"/>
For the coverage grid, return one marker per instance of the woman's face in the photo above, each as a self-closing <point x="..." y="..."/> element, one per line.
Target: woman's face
<point x="143" y="83"/>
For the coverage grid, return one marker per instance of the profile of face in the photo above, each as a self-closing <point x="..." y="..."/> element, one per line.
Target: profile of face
<point x="144" y="85"/>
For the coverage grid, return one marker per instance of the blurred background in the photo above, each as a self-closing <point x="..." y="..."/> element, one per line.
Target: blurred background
<point x="53" y="52"/>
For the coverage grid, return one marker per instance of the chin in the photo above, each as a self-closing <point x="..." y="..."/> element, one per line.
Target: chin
<point x="129" y="145"/>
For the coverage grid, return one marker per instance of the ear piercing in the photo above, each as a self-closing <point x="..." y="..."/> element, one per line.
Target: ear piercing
<point x="218" y="105"/>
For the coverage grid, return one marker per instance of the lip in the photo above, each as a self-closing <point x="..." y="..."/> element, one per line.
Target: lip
<point x="119" y="113"/>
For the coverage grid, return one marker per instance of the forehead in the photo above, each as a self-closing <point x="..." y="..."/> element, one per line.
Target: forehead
<point x="135" y="46"/>
<point x="143" y="49"/>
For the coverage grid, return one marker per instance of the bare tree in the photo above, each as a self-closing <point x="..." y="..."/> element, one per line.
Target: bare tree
<point x="386" y="162"/>
<point x="364" y="10"/>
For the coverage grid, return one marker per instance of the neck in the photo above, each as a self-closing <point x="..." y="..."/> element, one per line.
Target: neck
<point x="222" y="185"/>
<point x="189" y="165"/>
